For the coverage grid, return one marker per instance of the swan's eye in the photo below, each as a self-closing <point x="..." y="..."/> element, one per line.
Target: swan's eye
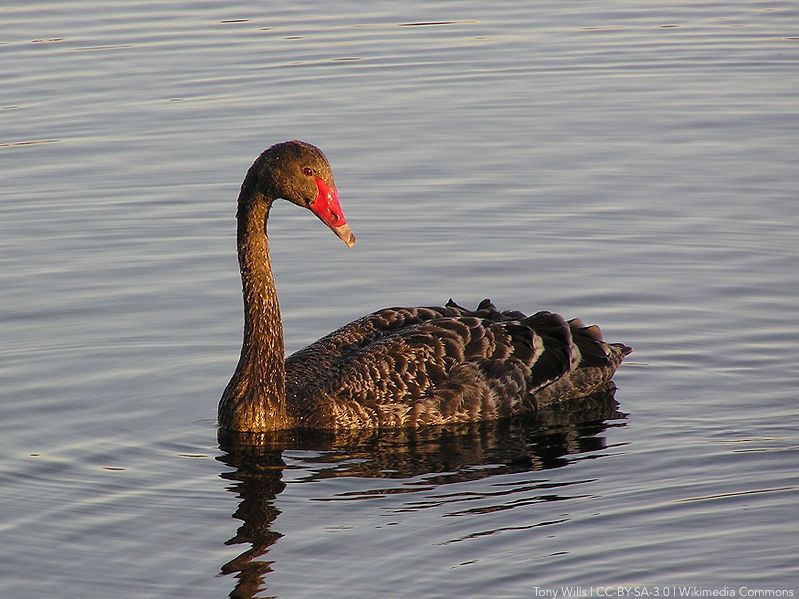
<point x="307" y="171"/>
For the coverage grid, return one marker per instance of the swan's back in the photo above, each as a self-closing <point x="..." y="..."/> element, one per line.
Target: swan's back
<point x="405" y="367"/>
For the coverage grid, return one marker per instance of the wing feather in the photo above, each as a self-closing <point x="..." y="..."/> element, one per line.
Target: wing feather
<point x="411" y="366"/>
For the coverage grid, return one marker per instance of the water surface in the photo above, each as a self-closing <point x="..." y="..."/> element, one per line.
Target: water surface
<point x="631" y="164"/>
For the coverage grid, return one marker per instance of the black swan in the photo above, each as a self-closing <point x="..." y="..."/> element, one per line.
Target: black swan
<point x="397" y="367"/>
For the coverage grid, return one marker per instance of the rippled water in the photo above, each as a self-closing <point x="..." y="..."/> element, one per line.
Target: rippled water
<point x="631" y="163"/>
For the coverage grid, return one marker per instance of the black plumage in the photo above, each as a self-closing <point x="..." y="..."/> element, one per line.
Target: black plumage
<point x="434" y="365"/>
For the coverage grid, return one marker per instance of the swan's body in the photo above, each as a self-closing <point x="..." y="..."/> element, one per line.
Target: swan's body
<point x="397" y="367"/>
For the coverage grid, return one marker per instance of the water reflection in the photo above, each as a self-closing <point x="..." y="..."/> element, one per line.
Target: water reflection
<point x="441" y="455"/>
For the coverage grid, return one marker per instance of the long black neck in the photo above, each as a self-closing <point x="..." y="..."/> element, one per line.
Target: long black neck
<point x="255" y="398"/>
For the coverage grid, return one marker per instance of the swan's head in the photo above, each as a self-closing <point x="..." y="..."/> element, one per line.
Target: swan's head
<point x="299" y="172"/>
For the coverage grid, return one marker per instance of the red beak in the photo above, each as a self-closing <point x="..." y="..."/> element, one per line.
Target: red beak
<point x="329" y="211"/>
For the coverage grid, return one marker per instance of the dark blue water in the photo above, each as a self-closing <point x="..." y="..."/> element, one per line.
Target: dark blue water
<point x="629" y="163"/>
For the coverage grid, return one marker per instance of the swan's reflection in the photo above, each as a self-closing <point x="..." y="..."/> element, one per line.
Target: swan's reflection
<point x="442" y="454"/>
